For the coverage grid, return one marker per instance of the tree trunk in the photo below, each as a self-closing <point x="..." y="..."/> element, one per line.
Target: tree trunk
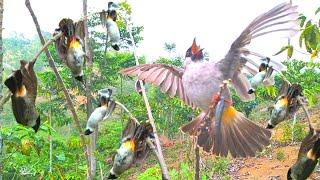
<point x="1" y="86"/>
<point x="88" y="89"/>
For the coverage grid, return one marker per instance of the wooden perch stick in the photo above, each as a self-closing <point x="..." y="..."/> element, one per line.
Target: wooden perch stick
<point x="60" y="82"/>
<point x="164" y="169"/>
<point x="57" y="36"/>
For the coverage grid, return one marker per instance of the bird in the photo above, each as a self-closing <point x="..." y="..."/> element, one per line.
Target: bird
<point x="23" y="85"/>
<point x="286" y="105"/>
<point x="308" y="156"/>
<point x="138" y="87"/>
<point x="133" y="149"/>
<point x="70" y="46"/>
<point x="263" y="76"/>
<point x="199" y="80"/>
<point x="106" y="107"/>
<point x="104" y="95"/>
<point x="109" y="22"/>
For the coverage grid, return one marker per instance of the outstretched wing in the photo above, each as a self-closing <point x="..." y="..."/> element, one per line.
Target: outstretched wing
<point x="167" y="77"/>
<point x="282" y="18"/>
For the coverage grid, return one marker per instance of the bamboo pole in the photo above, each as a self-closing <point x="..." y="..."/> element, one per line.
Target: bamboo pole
<point x="60" y="82"/>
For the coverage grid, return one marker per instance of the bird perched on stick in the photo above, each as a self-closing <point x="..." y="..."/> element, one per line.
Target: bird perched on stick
<point x="199" y="80"/>
<point x="308" y="156"/>
<point x="287" y="103"/>
<point x="106" y="107"/>
<point x="133" y="149"/>
<point x="263" y="76"/>
<point x="108" y="20"/>
<point x="69" y="47"/>
<point x="23" y="86"/>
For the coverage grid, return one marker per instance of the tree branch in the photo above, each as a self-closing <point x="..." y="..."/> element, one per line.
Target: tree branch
<point x="164" y="169"/>
<point x="4" y="99"/>
<point x="46" y="45"/>
<point x="60" y="82"/>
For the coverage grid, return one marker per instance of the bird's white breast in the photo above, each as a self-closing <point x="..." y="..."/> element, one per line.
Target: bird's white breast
<point x="201" y="80"/>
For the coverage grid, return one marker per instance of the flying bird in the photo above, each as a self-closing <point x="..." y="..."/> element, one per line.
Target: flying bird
<point x="199" y="80"/>
<point x="69" y="47"/>
<point x="263" y="76"/>
<point x="133" y="149"/>
<point x="23" y="85"/>
<point x="308" y="156"/>
<point x="106" y="107"/>
<point x="108" y="20"/>
<point x="287" y="103"/>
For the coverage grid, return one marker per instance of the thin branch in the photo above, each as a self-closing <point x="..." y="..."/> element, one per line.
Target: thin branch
<point x="164" y="169"/>
<point x="57" y="36"/>
<point x="60" y="82"/>
<point x="5" y="99"/>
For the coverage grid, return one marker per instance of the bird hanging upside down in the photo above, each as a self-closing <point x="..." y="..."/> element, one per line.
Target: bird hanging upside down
<point x="133" y="149"/>
<point x="109" y="21"/>
<point x="263" y="76"/>
<point x="199" y="80"/>
<point x="106" y="107"/>
<point x="23" y="86"/>
<point x="287" y="104"/>
<point x="308" y="156"/>
<point x="70" y="46"/>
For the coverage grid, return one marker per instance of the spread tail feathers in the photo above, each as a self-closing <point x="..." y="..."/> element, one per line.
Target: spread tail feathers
<point x="238" y="135"/>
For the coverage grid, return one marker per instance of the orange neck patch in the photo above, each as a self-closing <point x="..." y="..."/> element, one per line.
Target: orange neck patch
<point x="228" y="114"/>
<point x="21" y="92"/>
<point x="283" y="102"/>
<point x="74" y="43"/>
<point x="129" y="145"/>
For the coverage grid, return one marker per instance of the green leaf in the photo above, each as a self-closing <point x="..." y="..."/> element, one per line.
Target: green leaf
<point x="318" y="10"/>
<point x="302" y="20"/>
<point x="281" y="50"/>
<point x="290" y="52"/>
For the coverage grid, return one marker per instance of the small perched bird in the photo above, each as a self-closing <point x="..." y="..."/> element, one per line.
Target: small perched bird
<point x="106" y="107"/>
<point x="23" y="86"/>
<point x="308" y="156"/>
<point x="109" y="21"/>
<point x="286" y="105"/>
<point x="133" y="148"/>
<point x="138" y="87"/>
<point x="199" y="80"/>
<point x="104" y="95"/>
<point x="70" y="46"/>
<point x="263" y="76"/>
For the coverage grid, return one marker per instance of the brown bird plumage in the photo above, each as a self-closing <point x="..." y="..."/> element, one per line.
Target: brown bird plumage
<point x="69" y="46"/>
<point x="308" y="156"/>
<point x="133" y="149"/>
<point x="199" y="80"/>
<point x="23" y="86"/>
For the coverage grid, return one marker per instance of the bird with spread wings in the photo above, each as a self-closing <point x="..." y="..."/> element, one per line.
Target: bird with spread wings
<point x="198" y="82"/>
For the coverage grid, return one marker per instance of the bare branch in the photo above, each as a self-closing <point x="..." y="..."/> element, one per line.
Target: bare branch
<point x="46" y="45"/>
<point x="5" y="99"/>
<point x="60" y="82"/>
<point x="164" y="169"/>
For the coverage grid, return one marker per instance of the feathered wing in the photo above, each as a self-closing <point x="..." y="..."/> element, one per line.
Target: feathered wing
<point x="281" y="18"/>
<point x="167" y="77"/>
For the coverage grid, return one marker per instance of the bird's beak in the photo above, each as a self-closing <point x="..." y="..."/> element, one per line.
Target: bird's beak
<point x="270" y="126"/>
<point x="74" y="43"/>
<point x="88" y="132"/>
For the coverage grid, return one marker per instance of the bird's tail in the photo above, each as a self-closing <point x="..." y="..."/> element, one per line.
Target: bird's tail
<point x="236" y="134"/>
